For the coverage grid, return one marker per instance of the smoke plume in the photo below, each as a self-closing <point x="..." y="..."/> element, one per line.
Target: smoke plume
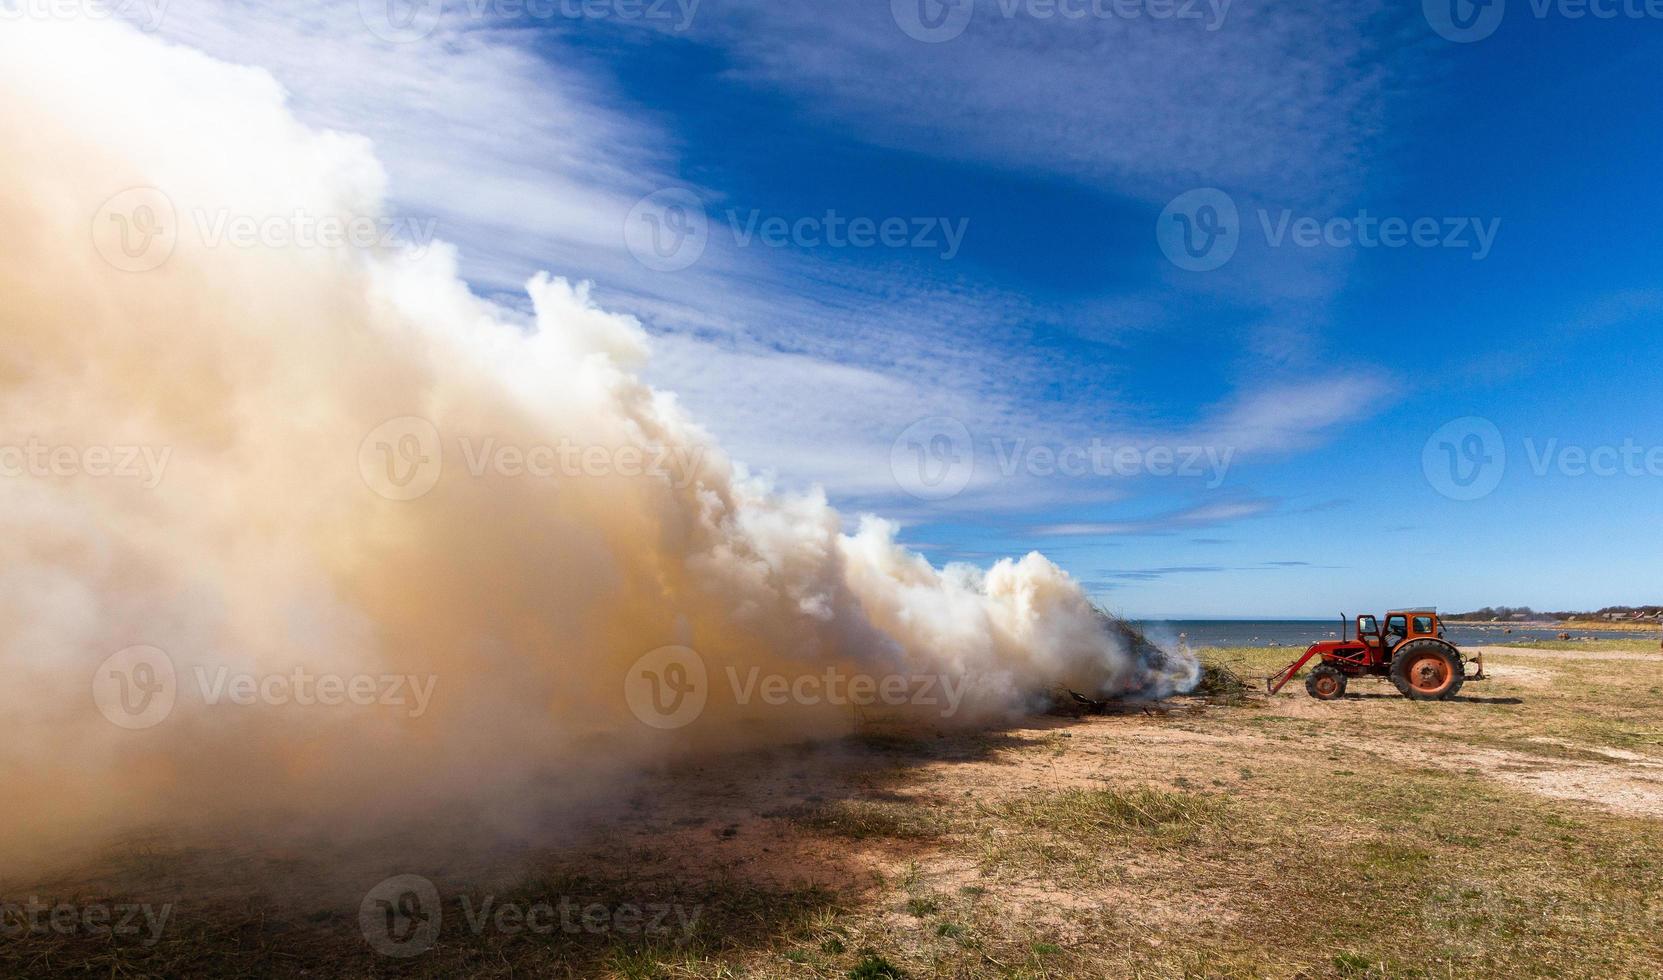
<point x="245" y="445"/>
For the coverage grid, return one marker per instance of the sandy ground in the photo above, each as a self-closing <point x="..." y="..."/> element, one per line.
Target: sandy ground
<point x="917" y="845"/>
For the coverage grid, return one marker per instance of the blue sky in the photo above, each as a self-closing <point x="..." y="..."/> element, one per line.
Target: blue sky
<point x="1032" y="308"/>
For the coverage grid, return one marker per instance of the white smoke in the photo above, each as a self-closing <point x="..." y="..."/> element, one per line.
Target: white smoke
<point x="194" y="426"/>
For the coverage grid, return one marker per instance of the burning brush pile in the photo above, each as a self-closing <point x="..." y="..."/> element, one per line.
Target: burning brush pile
<point x="1187" y="675"/>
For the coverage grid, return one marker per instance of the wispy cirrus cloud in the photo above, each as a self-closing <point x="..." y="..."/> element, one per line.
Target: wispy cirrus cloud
<point x="1255" y="94"/>
<point x="1114" y="578"/>
<point x="530" y="159"/>
<point x="1200" y="515"/>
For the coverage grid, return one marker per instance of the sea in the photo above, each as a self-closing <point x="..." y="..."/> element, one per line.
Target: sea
<point x="1301" y="633"/>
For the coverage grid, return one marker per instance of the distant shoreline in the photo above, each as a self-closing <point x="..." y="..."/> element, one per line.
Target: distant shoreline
<point x="1585" y="625"/>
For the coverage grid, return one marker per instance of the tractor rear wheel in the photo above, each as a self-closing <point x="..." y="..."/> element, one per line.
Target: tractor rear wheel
<point x="1426" y="670"/>
<point x="1326" y="683"/>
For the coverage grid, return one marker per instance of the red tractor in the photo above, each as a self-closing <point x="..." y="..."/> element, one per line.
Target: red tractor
<point x="1412" y="651"/>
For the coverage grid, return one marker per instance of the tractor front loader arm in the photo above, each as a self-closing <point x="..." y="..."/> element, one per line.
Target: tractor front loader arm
<point x="1279" y="680"/>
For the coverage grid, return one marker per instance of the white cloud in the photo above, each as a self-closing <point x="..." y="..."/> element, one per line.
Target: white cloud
<point x="530" y="163"/>
<point x="1202" y="515"/>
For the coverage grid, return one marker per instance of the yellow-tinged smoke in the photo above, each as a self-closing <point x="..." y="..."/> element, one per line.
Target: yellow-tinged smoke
<point x="284" y="460"/>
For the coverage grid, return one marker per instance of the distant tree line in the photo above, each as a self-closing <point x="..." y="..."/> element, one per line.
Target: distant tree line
<point x="1518" y="613"/>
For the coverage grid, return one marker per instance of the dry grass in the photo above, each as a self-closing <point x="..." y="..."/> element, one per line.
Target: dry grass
<point x="862" y="819"/>
<point x="1093" y="814"/>
<point x="1370" y="837"/>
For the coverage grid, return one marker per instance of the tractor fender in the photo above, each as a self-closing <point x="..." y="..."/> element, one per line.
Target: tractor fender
<point x="1452" y="648"/>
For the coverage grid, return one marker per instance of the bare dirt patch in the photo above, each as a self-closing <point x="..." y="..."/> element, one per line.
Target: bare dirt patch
<point x="1184" y="840"/>
<point x="1529" y="654"/>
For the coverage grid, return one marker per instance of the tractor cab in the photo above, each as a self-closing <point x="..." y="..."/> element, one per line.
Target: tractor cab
<point x="1411" y="624"/>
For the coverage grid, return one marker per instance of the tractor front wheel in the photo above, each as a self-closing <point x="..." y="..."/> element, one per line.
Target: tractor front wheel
<point x="1326" y="683"/>
<point x="1426" y="670"/>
